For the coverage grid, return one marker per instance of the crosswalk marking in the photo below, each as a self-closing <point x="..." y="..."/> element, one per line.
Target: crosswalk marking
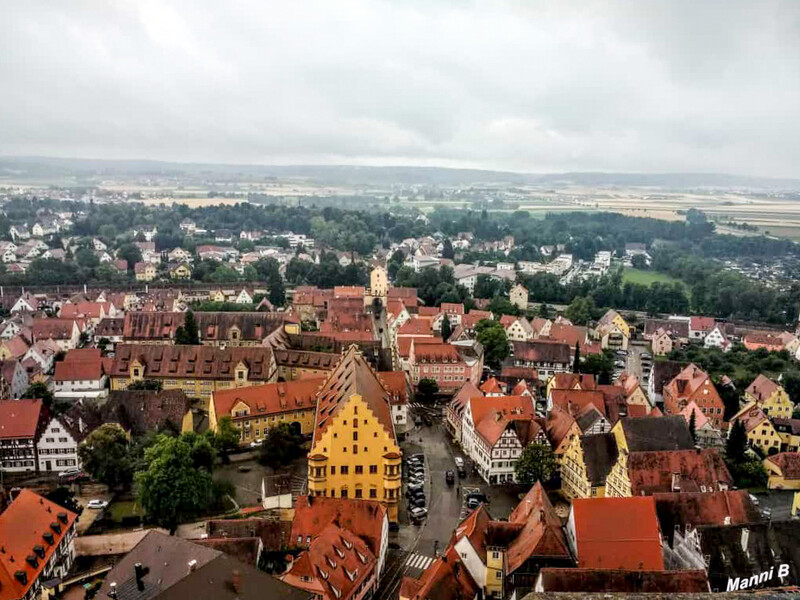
<point x="419" y="561"/>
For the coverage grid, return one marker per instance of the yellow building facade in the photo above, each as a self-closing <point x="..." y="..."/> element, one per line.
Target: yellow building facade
<point x="575" y="481"/>
<point x="256" y="409"/>
<point x="770" y="397"/>
<point x="354" y="451"/>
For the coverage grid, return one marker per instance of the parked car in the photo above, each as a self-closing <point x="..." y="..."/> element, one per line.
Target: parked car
<point x="416" y="479"/>
<point x="418" y="455"/>
<point x="473" y="503"/>
<point x="255" y="443"/>
<point x="479" y="496"/>
<point x="417" y="421"/>
<point x="69" y="473"/>
<point x="97" y="504"/>
<point x="427" y="420"/>
<point x="394" y="527"/>
<point x="417" y="494"/>
<point x="418" y="513"/>
<point x="459" y="461"/>
<point x="622" y="353"/>
<point x="450" y="477"/>
<point x="417" y="501"/>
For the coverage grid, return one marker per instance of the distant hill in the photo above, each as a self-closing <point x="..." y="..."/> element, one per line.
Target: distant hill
<point x="33" y="168"/>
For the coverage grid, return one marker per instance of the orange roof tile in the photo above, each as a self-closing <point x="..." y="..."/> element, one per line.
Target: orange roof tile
<point x="30" y="528"/>
<point x="617" y="533"/>
<point x="269" y="398"/>
<point x="19" y="418"/>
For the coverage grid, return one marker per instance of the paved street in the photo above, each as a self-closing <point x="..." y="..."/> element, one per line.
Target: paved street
<point x="417" y="543"/>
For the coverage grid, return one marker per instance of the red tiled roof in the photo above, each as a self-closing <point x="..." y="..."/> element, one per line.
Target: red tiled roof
<point x="362" y="517"/>
<point x="558" y="425"/>
<point x="404" y="344"/>
<point x="492" y="415"/>
<point x="396" y="384"/>
<point x="428" y="311"/>
<point x="452" y="308"/>
<point x="57" y="329"/>
<point x="751" y="416"/>
<point x="420" y="326"/>
<point x="427" y="351"/>
<point x="80" y="364"/>
<point x="567" y="381"/>
<point x="693" y="509"/>
<point x="788" y="463"/>
<point x="754" y="341"/>
<point x="616" y="581"/>
<point x="701" y="323"/>
<point x="84" y="309"/>
<point x="569" y="334"/>
<point x="696" y="470"/>
<point x="491" y="386"/>
<point x="541" y="534"/>
<point x="19" y="418"/>
<point x="26" y="528"/>
<point x="617" y="533"/>
<point x="269" y="398"/>
<point x="573" y="401"/>
<point x="762" y="388"/>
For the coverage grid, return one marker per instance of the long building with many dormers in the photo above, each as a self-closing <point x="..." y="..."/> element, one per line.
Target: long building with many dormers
<point x="197" y="370"/>
<point x="354" y="451"/>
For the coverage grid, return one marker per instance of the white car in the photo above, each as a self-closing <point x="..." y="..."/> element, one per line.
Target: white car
<point x="459" y="462"/>
<point x="418" y="513"/>
<point x="97" y="504"/>
<point x="255" y="443"/>
<point x="69" y="472"/>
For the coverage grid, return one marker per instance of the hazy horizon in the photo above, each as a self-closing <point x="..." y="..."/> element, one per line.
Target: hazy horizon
<point x="555" y="87"/>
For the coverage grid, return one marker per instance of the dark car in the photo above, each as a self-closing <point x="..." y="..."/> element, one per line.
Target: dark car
<point x="462" y="472"/>
<point x="450" y="477"/>
<point x="427" y="420"/>
<point x="418" y="455"/>
<point x="394" y="527"/>
<point x="417" y="502"/>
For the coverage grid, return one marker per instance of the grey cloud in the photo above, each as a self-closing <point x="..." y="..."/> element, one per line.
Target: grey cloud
<point x="530" y="86"/>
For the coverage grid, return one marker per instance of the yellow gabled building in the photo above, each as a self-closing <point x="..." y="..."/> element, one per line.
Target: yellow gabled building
<point x="354" y="452"/>
<point x="586" y="464"/>
<point x="770" y="397"/>
<point x="761" y="433"/>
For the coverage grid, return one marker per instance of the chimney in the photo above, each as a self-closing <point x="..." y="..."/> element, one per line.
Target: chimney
<point x="140" y="572"/>
<point x="112" y="592"/>
<point x="62" y="516"/>
<point x="192" y="565"/>
<point x="237" y="582"/>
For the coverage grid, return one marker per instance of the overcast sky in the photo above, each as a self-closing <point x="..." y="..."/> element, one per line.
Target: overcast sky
<point x="700" y="85"/>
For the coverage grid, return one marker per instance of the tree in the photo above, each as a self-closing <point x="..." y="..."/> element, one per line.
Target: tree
<point x="86" y="258"/>
<point x="599" y="365"/>
<point x="639" y="261"/>
<point x="447" y="330"/>
<point x="736" y="446"/>
<point x="131" y="253"/>
<point x="536" y="463"/>
<point x="281" y="446"/>
<point x="41" y="391"/>
<point x="576" y="363"/>
<point x="172" y="487"/>
<point x="580" y="310"/>
<point x="226" y="438"/>
<point x="500" y="305"/>
<point x="187" y="334"/>
<point x="693" y="426"/>
<point x="105" y="456"/>
<point x="427" y="388"/>
<point x="277" y="293"/>
<point x="447" y="249"/>
<point x="494" y="340"/>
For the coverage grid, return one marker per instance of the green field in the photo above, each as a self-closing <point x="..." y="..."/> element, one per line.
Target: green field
<point x="647" y="277"/>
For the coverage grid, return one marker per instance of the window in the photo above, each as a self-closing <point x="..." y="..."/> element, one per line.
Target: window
<point x="373" y="469"/>
<point x="355" y="436"/>
<point x="355" y="422"/>
<point x="343" y="494"/>
<point x="373" y="493"/>
<point x="359" y="469"/>
<point x="495" y="555"/>
<point x="344" y="470"/>
<point x="355" y="448"/>
<point x="333" y="470"/>
<point x="358" y="492"/>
